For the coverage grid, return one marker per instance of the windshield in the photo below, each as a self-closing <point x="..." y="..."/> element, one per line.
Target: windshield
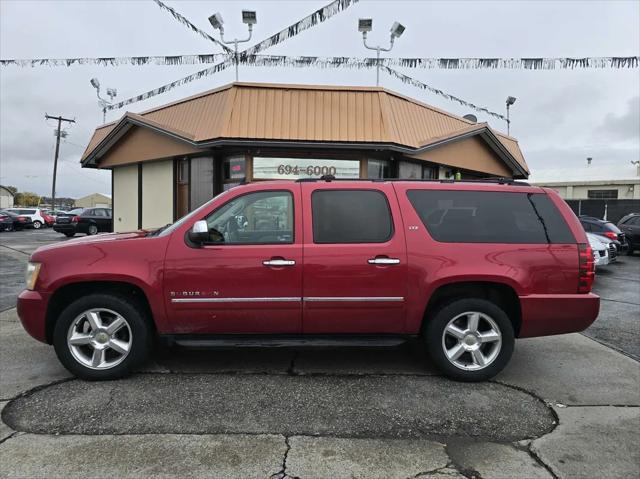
<point x="194" y="214"/>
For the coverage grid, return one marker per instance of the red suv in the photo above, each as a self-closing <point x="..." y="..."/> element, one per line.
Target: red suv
<point x="467" y="266"/>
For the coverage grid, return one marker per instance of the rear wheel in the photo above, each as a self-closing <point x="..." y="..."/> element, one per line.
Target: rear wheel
<point x="8" y="228"/>
<point x="92" y="230"/>
<point x="470" y="339"/>
<point x="37" y="225"/>
<point x="101" y="336"/>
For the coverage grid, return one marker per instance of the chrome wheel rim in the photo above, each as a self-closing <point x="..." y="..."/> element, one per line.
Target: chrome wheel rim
<point x="36" y="225"/>
<point x="93" y="230"/>
<point x="471" y="341"/>
<point x="99" y="338"/>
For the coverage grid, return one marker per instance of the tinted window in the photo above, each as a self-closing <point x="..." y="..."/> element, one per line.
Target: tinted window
<point x="264" y="217"/>
<point x="99" y="212"/>
<point x="489" y="217"/>
<point x="351" y="216"/>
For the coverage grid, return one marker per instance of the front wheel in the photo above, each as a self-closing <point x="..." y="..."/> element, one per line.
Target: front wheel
<point x="101" y="336"/>
<point x="37" y="225"/>
<point x="470" y="339"/>
<point x="70" y="235"/>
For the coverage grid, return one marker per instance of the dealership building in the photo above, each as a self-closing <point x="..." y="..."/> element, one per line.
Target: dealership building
<point x="169" y="160"/>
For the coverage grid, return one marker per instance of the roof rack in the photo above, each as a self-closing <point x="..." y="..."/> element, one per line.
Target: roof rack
<point x="495" y="180"/>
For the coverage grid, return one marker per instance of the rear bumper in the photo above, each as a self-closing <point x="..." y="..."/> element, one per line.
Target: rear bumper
<point x="548" y="314"/>
<point x="32" y="311"/>
<point x="64" y="228"/>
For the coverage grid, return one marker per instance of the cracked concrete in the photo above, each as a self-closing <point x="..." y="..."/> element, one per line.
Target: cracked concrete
<point x="32" y="456"/>
<point x="588" y="439"/>
<point x="327" y="457"/>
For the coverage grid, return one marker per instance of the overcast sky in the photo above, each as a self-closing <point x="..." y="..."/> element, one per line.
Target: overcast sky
<point x="560" y="117"/>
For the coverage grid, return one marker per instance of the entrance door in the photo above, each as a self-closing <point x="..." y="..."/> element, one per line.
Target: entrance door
<point x="355" y="266"/>
<point x="248" y="277"/>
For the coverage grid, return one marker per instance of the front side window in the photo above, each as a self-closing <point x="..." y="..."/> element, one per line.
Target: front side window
<point x="351" y="216"/>
<point x="264" y="217"/>
<point x="490" y="217"/>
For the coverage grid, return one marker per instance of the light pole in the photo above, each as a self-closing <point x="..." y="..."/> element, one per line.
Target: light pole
<point x="248" y="17"/>
<point x="365" y="25"/>
<point x="510" y="101"/>
<point x="111" y="93"/>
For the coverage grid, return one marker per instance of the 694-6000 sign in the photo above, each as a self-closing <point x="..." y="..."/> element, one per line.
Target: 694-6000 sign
<point x="309" y="170"/>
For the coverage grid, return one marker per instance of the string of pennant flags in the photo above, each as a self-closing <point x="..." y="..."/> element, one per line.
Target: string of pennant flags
<point x="276" y="60"/>
<point x="554" y="63"/>
<point x="252" y="57"/>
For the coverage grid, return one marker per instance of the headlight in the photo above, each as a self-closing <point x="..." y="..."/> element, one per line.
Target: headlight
<point x="33" y="269"/>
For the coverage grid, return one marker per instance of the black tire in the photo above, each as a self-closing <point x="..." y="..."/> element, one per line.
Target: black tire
<point x="92" y="230"/>
<point x="37" y="225"/>
<point x="69" y="235"/>
<point x="434" y="332"/>
<point x="131" y="311"/>
<point x="8" y="228"/>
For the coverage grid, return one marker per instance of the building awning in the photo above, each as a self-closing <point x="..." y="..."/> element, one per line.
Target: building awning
<point x="258" y="114"/>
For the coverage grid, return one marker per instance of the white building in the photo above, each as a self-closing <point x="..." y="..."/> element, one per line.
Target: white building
<point x="6" y="198"/>
<point x="601" y="182"/>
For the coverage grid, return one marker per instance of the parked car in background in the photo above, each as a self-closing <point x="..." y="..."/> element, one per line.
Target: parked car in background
<point x="35" y="214"/>
<point x="630" y="225"/>
<point x="55" y="213"/>
<point x="15" y="222"/>
<point x="600" y="250"/>
<point x="48" y="219"/>
<point x="90" y="221"/>
<point x="606" y="229"/>
<point x="467" y="267"/>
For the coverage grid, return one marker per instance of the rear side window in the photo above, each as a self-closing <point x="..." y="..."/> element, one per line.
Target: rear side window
<point x="351" y="216"/>
<point x="490" y="217"/>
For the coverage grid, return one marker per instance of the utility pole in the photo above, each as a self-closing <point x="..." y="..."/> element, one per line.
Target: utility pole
<point x="55" y="159"/>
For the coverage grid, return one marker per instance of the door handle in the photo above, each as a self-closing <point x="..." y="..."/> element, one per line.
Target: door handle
<point x="279" y="262"/>
<point x="384" y="261"/>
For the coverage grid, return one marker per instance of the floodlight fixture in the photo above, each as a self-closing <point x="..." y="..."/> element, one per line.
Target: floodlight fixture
<point x="216" y="22"/>
<point x="95" y="83"/>
<point x="511" y="100"/>
<point x="111" y="93"/>
<point x="397" y="29"/>
<point x="365" y="25"/>
<point x="249" y="17"/>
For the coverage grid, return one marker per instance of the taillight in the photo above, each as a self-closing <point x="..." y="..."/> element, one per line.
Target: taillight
<point x="75" y="219"/>
<point x="586" y="268"/>
<point x="611" y="235"/>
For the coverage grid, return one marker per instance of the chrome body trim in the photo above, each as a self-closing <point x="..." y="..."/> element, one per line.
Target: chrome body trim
<point x="362" y="299"/>
<point x="384" y="261"/>
<point x="236" y="300"/>
<point x="312" y="299"/>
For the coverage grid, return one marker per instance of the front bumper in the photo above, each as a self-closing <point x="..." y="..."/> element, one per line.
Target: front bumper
<point x="548" y="314"/>
<point x="32" y="311"/>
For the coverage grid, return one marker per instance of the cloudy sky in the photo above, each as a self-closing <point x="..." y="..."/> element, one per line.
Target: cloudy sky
<point x="560" y="117"/>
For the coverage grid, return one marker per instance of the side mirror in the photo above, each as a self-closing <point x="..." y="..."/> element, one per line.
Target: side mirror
<point x="199" y="232"/>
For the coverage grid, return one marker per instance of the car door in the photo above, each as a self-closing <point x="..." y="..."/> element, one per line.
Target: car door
<point x="355" y="264"/>
<point x="248" y="277"/>
<point x="631" y="228"/>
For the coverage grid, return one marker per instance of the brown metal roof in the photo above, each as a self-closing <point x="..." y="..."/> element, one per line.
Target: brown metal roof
<point x="256" y="111"/>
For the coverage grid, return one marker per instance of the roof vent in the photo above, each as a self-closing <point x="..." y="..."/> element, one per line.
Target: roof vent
<point x="471" y="117"/>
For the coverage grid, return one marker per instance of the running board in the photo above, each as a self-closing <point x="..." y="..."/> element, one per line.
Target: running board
<point x="284" y="341"/>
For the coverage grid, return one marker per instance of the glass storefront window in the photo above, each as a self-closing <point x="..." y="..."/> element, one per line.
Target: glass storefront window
<point x="377" y="169"/>
<point x="429" y="172"/>
<point x="294" y="168"/>
<point x="201" y="181"/>
<point x="233" y="168"/>
<point x="410" y="171"/>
